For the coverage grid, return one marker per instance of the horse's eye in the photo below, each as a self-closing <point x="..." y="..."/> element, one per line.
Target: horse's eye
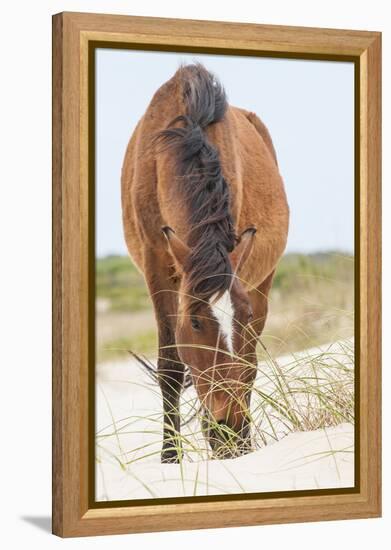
<point x="195" y="324"/>
<point x="250" y="316"/>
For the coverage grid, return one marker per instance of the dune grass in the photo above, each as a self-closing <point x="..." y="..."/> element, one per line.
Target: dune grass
<point x="307" y="391"/>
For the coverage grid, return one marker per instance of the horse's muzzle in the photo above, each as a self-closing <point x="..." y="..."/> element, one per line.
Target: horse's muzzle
<point x="226" y="442"/>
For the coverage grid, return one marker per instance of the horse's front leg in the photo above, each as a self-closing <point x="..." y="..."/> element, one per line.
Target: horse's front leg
<point x="170" y="375"/>
<point x="259" y="298"/>
<point x="169" y="366"/>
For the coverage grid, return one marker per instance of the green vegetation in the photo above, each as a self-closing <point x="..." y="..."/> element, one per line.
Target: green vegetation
<point x="301" y="271"/>
<point x="120" y="284"/>
<point x="311" y="302"/>
<point x="144" y="343"/>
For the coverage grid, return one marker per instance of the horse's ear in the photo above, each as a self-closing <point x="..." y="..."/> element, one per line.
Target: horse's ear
<point x="178" y="249"/>
<point x="243" y="249"/>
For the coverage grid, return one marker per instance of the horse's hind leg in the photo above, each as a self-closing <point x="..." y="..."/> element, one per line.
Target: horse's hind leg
<point x="170" y="367"/>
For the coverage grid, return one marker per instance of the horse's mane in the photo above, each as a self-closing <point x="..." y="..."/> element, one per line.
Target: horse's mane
<point x="212" y="236"/>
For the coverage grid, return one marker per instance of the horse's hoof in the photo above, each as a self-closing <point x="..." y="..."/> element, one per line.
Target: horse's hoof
<point x="169" y="456"/>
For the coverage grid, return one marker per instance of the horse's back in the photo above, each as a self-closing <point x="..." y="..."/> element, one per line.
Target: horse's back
<point x="151" y="193"/>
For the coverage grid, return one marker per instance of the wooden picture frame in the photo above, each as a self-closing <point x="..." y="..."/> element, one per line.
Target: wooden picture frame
<point x="74" y="37"/>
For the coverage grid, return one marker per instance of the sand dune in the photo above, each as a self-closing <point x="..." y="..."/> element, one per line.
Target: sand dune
<point x="129" y="423"/>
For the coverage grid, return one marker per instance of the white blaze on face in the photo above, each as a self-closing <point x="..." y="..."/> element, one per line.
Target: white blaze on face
<point x="223" y="311"/>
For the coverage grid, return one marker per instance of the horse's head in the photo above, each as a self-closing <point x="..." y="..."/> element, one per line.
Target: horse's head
<point x="216" y="340"/>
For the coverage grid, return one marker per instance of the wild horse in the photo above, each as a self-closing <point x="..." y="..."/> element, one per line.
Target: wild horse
<point x="205" y="219"/>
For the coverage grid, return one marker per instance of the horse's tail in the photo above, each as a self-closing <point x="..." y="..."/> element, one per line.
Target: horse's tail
<point x="212" y="234"/>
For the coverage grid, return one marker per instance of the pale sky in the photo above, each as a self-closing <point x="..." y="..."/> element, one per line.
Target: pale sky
<point x="308" y="107"/>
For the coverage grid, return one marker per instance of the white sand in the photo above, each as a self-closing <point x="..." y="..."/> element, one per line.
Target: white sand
<point x="129" y="426"/>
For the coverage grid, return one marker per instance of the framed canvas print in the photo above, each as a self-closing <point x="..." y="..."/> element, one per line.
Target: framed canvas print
<point x="216" y="274"/>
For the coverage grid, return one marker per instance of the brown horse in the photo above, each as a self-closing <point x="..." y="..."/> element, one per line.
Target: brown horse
<point x="205" y="219"/>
